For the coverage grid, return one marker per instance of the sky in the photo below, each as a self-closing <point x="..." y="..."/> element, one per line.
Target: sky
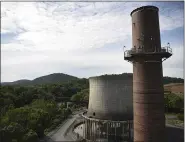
<point x="82" y="39"/>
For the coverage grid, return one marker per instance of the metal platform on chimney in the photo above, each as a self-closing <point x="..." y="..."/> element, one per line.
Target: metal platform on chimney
<point x="132" y="54"/>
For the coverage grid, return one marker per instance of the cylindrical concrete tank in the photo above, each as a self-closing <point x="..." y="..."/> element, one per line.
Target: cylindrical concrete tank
<point x="148" y="96"/>
<point x="110" y="98"/>
<point x="145" y="28"/>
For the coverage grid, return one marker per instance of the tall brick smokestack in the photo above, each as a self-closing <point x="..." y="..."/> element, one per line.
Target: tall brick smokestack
<point x="148" y="93"/>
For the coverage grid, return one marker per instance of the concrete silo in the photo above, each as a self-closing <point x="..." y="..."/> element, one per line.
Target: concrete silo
<point x="147" y="56"/>
<point x="110" y="98"/>
<point x="110" y="111"/>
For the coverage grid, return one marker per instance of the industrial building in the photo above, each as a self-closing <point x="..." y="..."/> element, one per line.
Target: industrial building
<point x="110" y="98"/>
<point x="118" y="105"/>
<point x="110" y="111"/>
<point x="147" y="56"/>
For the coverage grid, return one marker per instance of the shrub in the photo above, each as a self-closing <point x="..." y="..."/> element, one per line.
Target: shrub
<point x="56" y="122"/>
<point x="31" y="136"/>
<point x="173" y="103"/>
<point x="180" y="116"/>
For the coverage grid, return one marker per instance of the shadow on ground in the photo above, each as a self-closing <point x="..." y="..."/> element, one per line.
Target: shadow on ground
<point x="46" y="139"/>
<point x="174" y="134"/>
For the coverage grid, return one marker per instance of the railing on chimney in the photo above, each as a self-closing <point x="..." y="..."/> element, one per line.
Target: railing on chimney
<point x="129" y="53"/>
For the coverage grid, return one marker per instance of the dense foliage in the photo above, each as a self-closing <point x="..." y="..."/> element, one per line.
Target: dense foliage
<point x="61" y="78"/>
<point x="81" y="96"/>
<point x="27" y="113"/>
<point x="174" y="103"/>
<point x="167" y="80"/>
<point x="181" y="116"/>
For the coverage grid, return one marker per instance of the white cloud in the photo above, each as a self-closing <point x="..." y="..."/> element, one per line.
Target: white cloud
<point x="174" y="21"/>
<point x="60" y="37"/>
<point x="176" y="59"/>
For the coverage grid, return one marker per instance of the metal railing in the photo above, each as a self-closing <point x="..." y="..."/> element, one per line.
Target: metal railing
<point x="166" y="49"/>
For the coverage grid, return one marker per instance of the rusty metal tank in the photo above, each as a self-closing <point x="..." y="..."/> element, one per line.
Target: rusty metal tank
<point x="148" y="96"/>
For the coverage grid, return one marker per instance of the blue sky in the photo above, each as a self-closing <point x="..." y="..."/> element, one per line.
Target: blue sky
<point x="80" y="39"/>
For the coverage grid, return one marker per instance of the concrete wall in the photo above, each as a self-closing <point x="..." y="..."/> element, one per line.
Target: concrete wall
<point x="110" y="98"/>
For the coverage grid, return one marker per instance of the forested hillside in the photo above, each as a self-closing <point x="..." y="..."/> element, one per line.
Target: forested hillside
<point x="28" y="112"/>
<point x="47" y="79"/>
<point x="166" y="79"/>
<point x="61" y="78"/>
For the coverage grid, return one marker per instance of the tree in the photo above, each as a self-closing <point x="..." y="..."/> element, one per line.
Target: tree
<point x="35" y="109"/>
<point x="76" y="97"/>
<point x="38" y="120"/>
<point x="30" y="136"/>
<point x="13" y="131"/>
<point x="173" y="102"/>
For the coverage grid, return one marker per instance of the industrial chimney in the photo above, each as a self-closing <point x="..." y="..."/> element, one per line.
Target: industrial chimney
<point x="148" y="93"/>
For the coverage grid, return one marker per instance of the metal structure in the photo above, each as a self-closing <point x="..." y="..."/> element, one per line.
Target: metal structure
<point x="110" y="111"/>
<point x="98" y="130"/>
<point x="148" y="92"/>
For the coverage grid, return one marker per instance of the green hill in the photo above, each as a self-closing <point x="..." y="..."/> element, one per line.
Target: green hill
<point x="54" y="78"/>
<point x="166" y="79"/>
<point x="47" y="79"/>
<point x="61" y="78"/>
<point x="18" y="82"/>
